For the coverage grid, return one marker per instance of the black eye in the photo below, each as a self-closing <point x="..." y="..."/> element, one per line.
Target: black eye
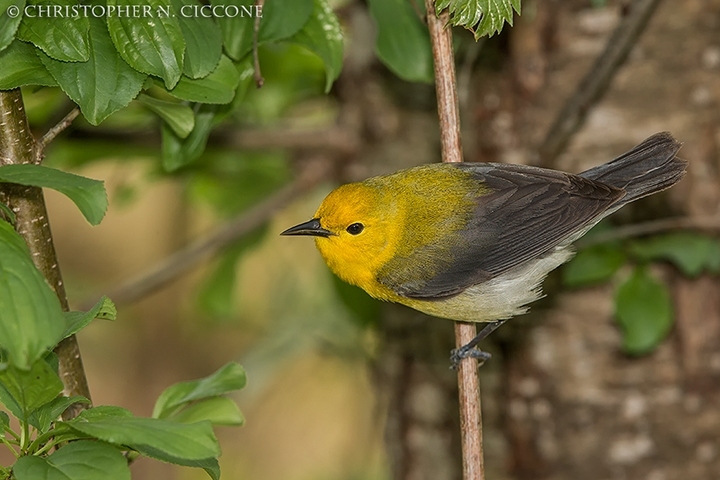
<point x="355" y="228"/>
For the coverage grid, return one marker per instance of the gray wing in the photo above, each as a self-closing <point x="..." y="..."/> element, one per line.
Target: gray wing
<point x="528" y="212"/>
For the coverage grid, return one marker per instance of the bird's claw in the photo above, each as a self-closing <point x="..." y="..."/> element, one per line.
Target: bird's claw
<point x="457" y="355"/>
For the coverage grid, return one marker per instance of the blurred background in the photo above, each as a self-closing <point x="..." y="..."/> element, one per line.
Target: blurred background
<point x="342" y="387"/>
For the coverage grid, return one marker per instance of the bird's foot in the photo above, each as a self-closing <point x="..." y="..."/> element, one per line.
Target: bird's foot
<point x="457" y="355"/>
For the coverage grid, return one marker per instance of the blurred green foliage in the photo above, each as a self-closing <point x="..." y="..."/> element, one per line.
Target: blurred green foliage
<point x="690" y="252"/>
<point x="643" y="306"/>
<point x="644" y="311"/>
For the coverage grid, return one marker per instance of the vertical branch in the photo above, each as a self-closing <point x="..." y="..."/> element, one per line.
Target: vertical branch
<point x="17" y="145"/>
<point x="445" y="85"/>
<point x="449" y="113"/>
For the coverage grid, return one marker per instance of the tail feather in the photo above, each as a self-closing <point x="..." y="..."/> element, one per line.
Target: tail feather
<point x="648" y="168"/>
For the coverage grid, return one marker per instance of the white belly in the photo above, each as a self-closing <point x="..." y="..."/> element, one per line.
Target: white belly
<point x="502" y="297"/>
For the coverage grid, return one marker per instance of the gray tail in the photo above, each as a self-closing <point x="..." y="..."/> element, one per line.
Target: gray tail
<point x="648" y="168"/>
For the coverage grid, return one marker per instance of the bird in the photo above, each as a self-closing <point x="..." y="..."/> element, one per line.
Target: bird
<point x="473" y="242"/>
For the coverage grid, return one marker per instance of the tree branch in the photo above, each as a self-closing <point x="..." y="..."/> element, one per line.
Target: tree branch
<point x="183" y="260"/>
<point x="596" y="81"/>
<point x="449" y="115"/>
<point x="17" y="146"/>
<point x="445" y="85"/>
<point x="54" y="132"/>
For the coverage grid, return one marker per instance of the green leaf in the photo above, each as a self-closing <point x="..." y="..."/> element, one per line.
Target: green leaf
<point x="7" y="214"/>
<point x="60" y="37"/>
<point x="210" y="465"/>
<point x="152" y="45"/>
<point x="236" y="30"/>
<point x="217" y="410"/>
<point x="4" y="421"/>
<point x="184" y="444"/>
<point x="31" y="320"/>
<point x="218" y="87"/>
<point x="690" y="252"/>
<point x="81" y="460"/>
<point x="177" y="116"/>
<point x="105" y="411"/>
<point x="88" y="194"/>
<point x="246" y="70"/>
<point x="102" y="85"/>
<point x="644" y="312"/>
<point x="281" y="19"/>
<point x="593" y="265"/>
<point x="229" y="378"/>
<point x="482" y="17"/>
<point x="23" y="391"/>
<point x="43" y="417"/>
<point x="9" y="24"/>
<point x="322" y="35"/>
<point x="203" y="41"/>
<point x="177" y="152"/>
<point x="75" y="321"/>
<point x="21" y="67"/>
<point x="403" y="42"/>
<point x="10" y="403"/>
<point x="51" y="359"/>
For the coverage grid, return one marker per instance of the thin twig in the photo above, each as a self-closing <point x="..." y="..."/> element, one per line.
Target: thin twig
<point x="596" y="81"/>
<point x="449" y="114"/>
<point x="710" y="223"/>
<point x="54" y="132"/>
<point x="257" y="74"/>
<point x="183" y="260"/>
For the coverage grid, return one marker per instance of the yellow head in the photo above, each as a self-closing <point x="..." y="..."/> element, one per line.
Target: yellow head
<point x="356" y="230"/>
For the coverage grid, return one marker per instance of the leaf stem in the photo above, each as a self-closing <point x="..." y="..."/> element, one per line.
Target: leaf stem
<point x="10" y="445"/>
<point x="40" y="440"/>
<point x="24" y="435"/>
<point x="12" y="433"/>
<point x="46" y="447"/>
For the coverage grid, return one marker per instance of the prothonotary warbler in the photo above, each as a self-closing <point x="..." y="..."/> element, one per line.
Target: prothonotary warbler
<point x="473" y="241"/>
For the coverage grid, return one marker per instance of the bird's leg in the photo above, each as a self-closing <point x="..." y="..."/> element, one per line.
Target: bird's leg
<point x="470" y="350"/>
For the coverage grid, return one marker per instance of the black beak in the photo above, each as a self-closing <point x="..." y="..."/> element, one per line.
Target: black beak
<point x="311" y="227"/>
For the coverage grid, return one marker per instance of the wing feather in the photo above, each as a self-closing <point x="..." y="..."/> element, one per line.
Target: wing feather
<point x="528" y="212"/>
